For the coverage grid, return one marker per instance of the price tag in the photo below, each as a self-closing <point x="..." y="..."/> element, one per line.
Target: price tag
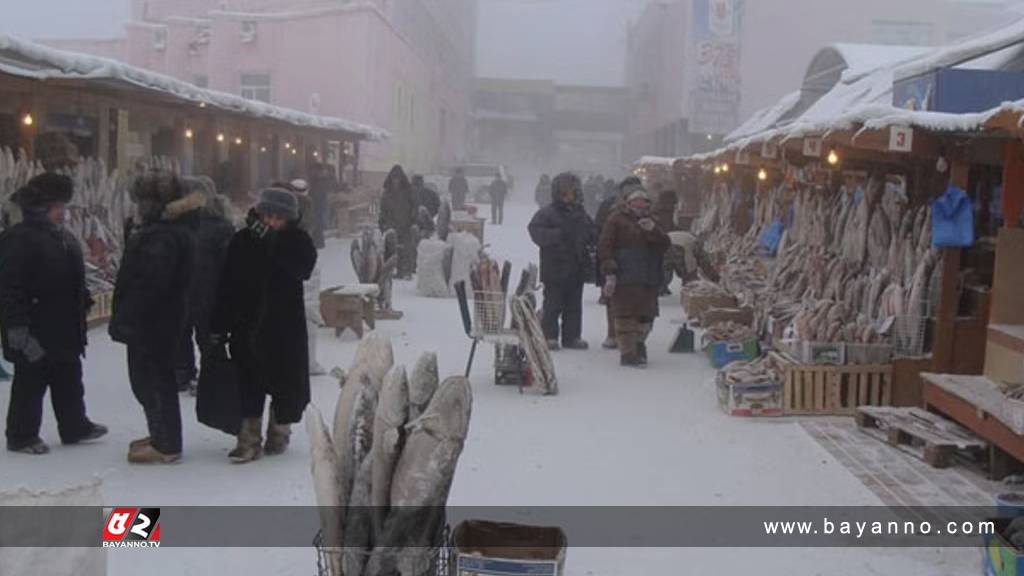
<point x="812" y="147"/>
<point x="901" y="139"/>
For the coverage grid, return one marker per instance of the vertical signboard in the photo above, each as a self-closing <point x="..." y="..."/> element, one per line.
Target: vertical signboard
<point x="715" y="61"/>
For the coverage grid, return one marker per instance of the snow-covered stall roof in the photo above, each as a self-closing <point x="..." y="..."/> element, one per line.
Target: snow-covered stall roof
<point x="30" y="60"/>
<point x="653" y="161"/>
<point x="864" y="98"/>
<point x="765" y="119"/>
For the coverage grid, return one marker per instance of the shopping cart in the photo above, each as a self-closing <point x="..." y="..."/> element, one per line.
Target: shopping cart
<point x="486" y="322"/>
<point x="439" y="555"/>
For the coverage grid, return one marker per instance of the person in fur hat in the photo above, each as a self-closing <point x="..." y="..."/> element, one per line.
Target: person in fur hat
<point x="632" y="251"/>
<point x="212" y="238"/>
<point x="260" y="313"/>
<point x="43" y="306"/>
<point x="150" y="306"/>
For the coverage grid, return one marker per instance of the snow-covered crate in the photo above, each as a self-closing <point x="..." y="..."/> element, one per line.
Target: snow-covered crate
<point x="472" y="225"/>
<point x="861" y="354"/>
<point x="749" y="400"/>
<point x="724" y="353"/>
<point x="816" y="353"/>
<point x="833" y="390"/>
<point x="500" y="549"/>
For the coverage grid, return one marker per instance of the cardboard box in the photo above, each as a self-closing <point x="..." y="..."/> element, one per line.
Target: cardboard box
<point x="501" y="549"/>
<point x="723" y="353"/>
<point x="741" y="316"/>
<point x="697" y="305"/>
<point x="1000" y="557"/>
<point x="750" y="400"/>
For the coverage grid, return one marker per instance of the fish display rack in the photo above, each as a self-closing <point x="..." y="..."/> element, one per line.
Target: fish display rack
<point x="440" y="554"/>
<point x="832" y="390"/>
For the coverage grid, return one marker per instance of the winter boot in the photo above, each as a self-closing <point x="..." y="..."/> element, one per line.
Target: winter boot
<point x="278" y="436"/>
<point x="136" y="444"/>
<point x="576" y="345"/>
<point x="631" y="360"/>
<point x="610" y="344"/>
<point x="641" y="352"/>
<point x="34" y="447"/>
<point x="93" y="432"/>
<point x="250" y="442"/>
<point x="553" y="345"/>
<point x="147" y="454"/>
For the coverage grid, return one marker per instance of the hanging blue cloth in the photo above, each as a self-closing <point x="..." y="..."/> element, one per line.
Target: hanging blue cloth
<point x="952" y="220"/>
<point x="770" y="238"/>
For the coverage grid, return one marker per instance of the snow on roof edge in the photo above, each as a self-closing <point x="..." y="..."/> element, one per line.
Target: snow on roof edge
<point x="64" y="64"/>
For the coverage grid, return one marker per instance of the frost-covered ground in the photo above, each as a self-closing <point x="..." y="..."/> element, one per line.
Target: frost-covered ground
<point x="611" y="437"/>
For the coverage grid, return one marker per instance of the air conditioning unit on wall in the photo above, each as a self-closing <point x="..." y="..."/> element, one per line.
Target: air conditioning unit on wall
<point x="248" y="34"/>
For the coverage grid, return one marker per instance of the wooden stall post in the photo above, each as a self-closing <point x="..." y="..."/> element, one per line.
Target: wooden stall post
<point x="1013" y="182"/>
<point x="949" y="291"/>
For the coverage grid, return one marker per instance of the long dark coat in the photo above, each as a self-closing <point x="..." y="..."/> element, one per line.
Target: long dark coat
<point x="42" y="288"/>
<point x="635" y="257"/>
<point x="260" y="304"/>
<point x="213" y="238"/>
<point x="565" y="235"/>
<point x="150" y="306"/>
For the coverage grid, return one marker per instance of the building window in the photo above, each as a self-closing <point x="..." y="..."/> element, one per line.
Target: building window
<point x="901" y="33"/>
<point x="256" y="87"/>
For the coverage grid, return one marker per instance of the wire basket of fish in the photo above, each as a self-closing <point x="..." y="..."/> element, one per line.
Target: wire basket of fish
<point x="489" y="313"/>
<point x="435" y="561"/>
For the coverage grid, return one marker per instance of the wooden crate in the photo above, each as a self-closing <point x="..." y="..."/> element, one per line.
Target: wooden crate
<point x="101" y="310"/>
<point x="832" y="390"/>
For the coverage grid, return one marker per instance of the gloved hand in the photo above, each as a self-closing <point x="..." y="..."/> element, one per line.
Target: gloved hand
<point x="609" y="287"/>
<point x="19" y="339"/>
<point x="646" y="224"/>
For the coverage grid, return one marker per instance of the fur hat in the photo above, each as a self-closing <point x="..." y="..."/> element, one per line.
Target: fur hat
<point x="43" y="191"/>
<point x="278" y="201"/>
<point x="153" y="191"/>
<point x="638" y="194"/>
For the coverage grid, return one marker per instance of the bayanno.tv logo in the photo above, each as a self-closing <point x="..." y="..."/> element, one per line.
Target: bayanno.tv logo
<point x="132" y="528"/>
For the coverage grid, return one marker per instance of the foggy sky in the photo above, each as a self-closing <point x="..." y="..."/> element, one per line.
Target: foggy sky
<point x="32" y="19"/>
<point x="571" y="41"/>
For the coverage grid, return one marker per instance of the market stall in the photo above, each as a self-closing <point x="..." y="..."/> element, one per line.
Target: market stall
<point x="831" y="226"/>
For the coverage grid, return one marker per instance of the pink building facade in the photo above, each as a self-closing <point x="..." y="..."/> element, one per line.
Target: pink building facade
<point x="403" y="65"/>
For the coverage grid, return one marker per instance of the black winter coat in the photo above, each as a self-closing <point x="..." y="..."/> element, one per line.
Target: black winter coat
<point x="398" y="209"/>
<point x="458" y="187"/>
<point x="566" y="237"/>
<point x="213" y="238"/>
<point x="42" y="288"/>
<point x="428" y="199"/>
<point x="150" y="304"/>
<point x="260" y="304"/>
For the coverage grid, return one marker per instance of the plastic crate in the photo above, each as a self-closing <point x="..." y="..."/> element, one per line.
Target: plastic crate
<point x="724" y="353"/>
<point x="871" y="354"/>
<point x="816" y="353"/>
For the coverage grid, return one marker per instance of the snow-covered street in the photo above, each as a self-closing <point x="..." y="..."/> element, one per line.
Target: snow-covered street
<point x="610" y="438"/>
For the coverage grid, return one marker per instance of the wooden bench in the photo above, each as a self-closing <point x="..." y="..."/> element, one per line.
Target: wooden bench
<point x="350" y="307"/>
